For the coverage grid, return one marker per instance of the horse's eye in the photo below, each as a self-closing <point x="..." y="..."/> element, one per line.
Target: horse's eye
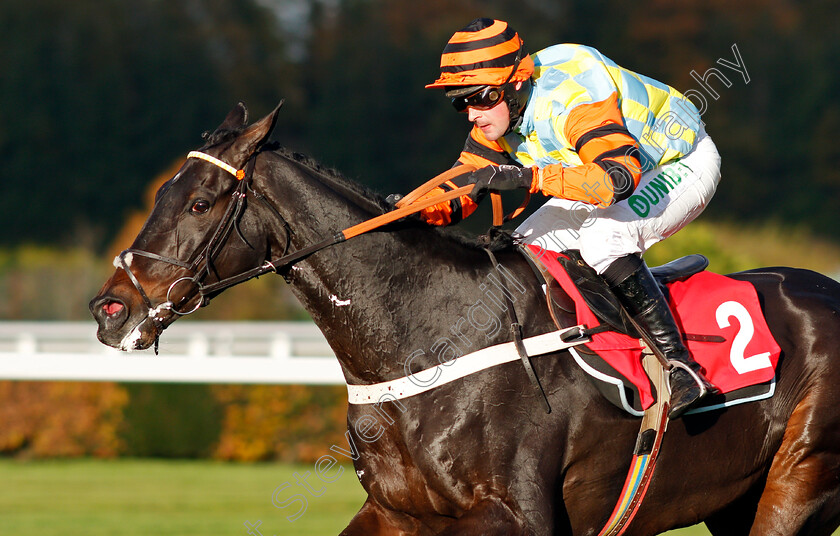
<point x="200" y="207"/>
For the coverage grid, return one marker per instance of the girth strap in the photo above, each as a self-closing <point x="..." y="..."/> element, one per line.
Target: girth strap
<point x="460" y="367"/>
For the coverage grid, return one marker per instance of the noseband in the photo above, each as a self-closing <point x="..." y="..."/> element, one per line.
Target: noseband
<point x="202" y="263"/>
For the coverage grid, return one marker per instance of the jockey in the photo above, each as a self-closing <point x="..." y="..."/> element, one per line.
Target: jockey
<point x="625" y="161"/>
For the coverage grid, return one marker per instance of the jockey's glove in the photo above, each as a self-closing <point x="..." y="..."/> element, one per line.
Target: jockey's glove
<point x="505" y="177"/>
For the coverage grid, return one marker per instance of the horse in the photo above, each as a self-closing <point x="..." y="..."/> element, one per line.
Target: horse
<point x="477" y="456"/>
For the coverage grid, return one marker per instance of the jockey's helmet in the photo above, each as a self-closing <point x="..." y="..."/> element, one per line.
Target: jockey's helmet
<point x="481" y="65"/>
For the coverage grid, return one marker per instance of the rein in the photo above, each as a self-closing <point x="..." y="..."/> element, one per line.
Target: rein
<point x="202" y="264"/>
<point x="361" y="228"/>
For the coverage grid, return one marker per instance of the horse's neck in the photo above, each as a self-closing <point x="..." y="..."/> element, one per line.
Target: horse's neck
<point x="384" y="296"/>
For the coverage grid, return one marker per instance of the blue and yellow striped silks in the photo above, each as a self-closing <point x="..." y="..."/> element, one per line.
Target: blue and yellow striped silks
<point x="660" y="118"/>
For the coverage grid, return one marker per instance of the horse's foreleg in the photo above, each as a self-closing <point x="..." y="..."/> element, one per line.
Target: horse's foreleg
<point x="373" y="520"/>
<point x="490" y="517"/>
<point x="802" y="495"/>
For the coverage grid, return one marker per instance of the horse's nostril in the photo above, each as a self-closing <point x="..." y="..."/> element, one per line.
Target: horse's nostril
<point x="111" y="308"/>
<point x="107" y="308"/>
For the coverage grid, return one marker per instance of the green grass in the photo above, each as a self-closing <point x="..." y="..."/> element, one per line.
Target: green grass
<point x="696" y="530"/>
<point x="162" y="498"/>
<point x="173" y="498"/>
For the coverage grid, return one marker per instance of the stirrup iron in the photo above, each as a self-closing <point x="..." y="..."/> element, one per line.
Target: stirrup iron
<point x="701" y="383"/>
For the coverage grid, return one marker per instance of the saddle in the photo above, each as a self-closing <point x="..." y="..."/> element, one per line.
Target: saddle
<point x="702" y="303"/>
<point x="597" y="293"/>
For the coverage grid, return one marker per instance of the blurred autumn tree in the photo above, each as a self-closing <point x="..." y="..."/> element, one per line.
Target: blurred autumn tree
<point x="48" y="419"/>
<point x="372" y="119"/>
<point x="226" y="422"/>
<point x="97" y="97"/>
<point x="272" y="422"/>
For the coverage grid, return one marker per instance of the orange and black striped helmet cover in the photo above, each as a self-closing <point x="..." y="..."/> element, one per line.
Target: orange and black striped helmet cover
<point x="483" y="53"/>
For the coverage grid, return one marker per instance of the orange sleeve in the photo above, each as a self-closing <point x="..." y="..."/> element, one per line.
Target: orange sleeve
<point x="479" y="152"/>
<point x="611" y="157"/>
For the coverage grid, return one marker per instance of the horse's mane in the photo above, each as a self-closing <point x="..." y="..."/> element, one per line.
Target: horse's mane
<point x="498" y="241"/>
<point x="333" y="175"/>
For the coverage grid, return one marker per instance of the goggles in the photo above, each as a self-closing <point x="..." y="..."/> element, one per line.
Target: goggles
<point x="483" y="99"/>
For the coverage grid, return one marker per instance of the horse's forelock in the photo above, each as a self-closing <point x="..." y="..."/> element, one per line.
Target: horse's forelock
<point x="221" y="135"/>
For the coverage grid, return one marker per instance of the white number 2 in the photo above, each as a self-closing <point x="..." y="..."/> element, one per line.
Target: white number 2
<point x="741" y="363"/>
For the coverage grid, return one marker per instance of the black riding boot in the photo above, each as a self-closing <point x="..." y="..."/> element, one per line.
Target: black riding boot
<point x="641" y="297"/>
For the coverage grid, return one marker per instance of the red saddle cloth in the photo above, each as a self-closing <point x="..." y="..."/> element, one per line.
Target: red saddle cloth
<point x="704" y="304"/>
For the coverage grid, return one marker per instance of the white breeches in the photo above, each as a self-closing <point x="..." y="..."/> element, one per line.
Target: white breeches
<point x="666" y="200"/>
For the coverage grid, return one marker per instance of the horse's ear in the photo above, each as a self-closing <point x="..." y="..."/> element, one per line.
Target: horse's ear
<point x="253" y="138"/>
<point x="236" y="118"/>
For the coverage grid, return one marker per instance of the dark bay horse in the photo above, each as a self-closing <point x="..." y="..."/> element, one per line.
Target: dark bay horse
<point x="479" y="456"/>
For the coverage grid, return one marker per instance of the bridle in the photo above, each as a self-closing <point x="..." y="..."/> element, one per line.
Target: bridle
<point x="202" y="266"/>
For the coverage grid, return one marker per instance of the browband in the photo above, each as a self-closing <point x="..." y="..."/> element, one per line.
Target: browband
<point x="238" y="173"/>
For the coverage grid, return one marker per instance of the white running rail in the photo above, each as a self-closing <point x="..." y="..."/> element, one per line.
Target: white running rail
<point x="192" y="352"/>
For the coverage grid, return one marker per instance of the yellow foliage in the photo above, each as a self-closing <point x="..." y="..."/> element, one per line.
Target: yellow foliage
<point x="736" y="247"/>
<point x="46" y="419"/>
<point x="280" y="422"/>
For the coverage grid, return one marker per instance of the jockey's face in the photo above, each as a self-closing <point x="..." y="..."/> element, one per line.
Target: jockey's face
<point x="493" y="122"/>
